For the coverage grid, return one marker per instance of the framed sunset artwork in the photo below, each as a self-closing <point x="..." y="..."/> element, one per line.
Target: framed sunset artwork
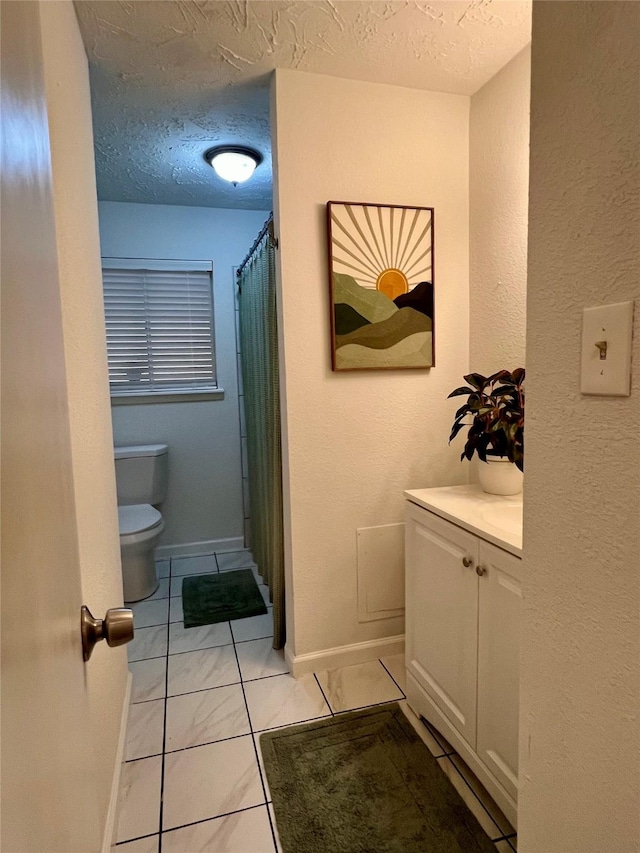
<point x="381" y="285"/>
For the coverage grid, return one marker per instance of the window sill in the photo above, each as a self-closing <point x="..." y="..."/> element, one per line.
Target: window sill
<point x="139" y="398"/>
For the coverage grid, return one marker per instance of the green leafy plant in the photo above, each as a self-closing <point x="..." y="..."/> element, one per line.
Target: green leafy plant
<point x="495" y="405"/>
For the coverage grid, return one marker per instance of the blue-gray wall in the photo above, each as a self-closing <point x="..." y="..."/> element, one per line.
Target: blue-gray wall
<point x="205" y="489"/>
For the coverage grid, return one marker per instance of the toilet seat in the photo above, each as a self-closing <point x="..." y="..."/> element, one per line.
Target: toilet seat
<point x="141" y="527"/>
<point x="137" y="518"/>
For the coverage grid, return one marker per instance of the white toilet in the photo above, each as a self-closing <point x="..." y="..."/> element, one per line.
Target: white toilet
<point x="141" y="481"/>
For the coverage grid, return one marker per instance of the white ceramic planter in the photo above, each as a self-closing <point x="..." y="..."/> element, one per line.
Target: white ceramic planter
<point x="498" y="476"/>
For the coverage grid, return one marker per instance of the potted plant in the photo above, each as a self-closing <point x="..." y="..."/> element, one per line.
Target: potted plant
<point x="495" y="405"/>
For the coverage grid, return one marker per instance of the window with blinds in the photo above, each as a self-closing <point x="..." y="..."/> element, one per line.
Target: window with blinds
<point x="159" y="321"/>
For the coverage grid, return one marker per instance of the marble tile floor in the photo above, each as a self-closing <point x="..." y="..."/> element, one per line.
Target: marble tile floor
<point x="193" y="778"/>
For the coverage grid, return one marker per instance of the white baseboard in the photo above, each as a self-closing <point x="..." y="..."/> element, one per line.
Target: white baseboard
<point x="108" y="838"/>
<point x="194" y="549"/>
<point x="343" y="655"/>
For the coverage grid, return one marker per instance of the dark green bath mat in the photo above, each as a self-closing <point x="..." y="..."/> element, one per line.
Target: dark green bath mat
<point x="207" y="599"/>
<point x="364" y="782"/>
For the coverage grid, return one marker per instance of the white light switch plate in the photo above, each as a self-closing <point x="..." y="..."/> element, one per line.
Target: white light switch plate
<point x="612" y="324"/>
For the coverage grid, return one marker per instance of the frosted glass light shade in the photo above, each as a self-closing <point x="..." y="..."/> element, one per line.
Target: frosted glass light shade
<point x="235" y="165"/>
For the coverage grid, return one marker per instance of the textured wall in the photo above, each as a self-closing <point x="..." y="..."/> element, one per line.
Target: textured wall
<point x="76" y="220"/>
<point x="354" y="441"/>
<point x="498" y="212"/>
<point x="205" y="480"/>
<point x="580" y="762"/>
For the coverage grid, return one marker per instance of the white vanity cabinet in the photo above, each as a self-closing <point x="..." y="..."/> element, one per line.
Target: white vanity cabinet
<point x="463" y="597"/>
<point x="499" y="604"/>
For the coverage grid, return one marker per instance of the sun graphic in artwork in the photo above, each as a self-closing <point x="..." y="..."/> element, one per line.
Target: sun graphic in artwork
<point x="392" y="282"/>
<point x="388" y="249"/>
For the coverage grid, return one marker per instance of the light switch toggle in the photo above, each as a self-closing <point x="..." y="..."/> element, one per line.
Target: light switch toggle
<point x="602" y="346"/>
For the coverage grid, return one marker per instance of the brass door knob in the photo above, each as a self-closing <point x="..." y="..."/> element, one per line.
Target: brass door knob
<point x="116" y="628"/>
<point x="466" y="562"/>
<point x="480" y="570"/>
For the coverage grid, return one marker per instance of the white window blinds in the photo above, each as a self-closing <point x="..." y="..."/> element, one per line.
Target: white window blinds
<point x="159" y="320"/>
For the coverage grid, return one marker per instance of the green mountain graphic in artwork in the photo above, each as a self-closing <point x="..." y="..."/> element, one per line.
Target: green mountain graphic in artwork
<point x="402" y="324"/>
<point x="347" y="319"/>
<point x="414" y="351"/>
<point x="370" y="304"/>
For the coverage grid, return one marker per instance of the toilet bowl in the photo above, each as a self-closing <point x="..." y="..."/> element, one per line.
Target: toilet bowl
<point x="140" y="528"/>
<point x="141" y="481"/>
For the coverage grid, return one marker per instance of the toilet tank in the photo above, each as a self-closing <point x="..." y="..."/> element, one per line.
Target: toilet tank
<point x="142" y="474"/>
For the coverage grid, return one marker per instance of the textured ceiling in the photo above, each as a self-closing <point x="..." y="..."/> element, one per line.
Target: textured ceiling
<point x="171" y="79"/>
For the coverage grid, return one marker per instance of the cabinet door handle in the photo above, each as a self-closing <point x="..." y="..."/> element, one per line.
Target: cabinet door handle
<point x="480" y="570"/>
<point x="466" y="562"/>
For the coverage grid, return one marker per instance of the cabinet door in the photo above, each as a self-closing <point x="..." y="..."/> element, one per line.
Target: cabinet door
<point x="442" y="615"/>
<point x="500" y="599"/>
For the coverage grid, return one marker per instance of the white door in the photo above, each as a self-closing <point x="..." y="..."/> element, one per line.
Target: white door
<point x="442" y="615"/>
<point x="500" y="600"/>
<point x="47" y="804"/>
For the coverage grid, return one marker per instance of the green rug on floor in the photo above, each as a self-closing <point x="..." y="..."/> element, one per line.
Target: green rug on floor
<point x="363" y="782"/>
<point x="207" y="599"/>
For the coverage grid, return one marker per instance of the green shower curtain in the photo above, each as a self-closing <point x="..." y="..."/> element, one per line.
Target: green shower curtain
<point x="259" y="357"/>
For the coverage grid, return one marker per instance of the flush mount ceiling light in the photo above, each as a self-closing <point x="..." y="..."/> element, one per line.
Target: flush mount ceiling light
<point x="235" y="164"/>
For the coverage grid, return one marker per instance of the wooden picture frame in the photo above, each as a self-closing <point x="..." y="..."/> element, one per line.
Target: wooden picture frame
<point x="381" y="261"/>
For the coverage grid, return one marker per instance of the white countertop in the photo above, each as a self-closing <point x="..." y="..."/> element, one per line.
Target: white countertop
<point x="496" y="518"/>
